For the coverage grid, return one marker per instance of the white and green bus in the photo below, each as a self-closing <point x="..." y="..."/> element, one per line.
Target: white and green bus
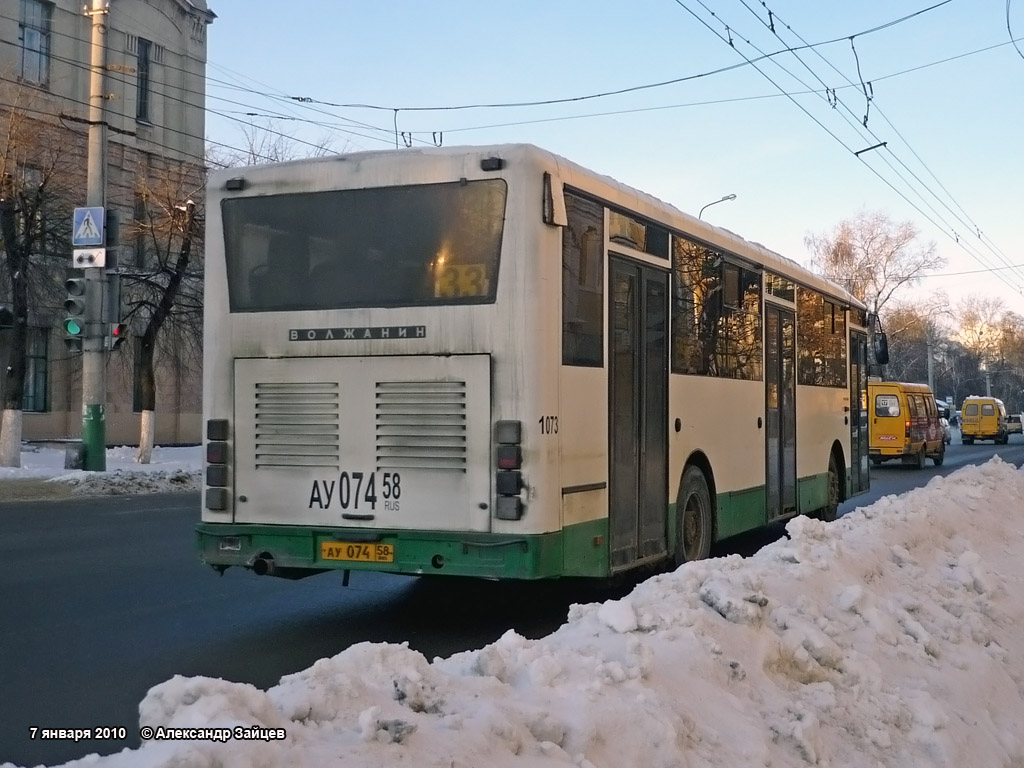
<point x="492" y="362"/>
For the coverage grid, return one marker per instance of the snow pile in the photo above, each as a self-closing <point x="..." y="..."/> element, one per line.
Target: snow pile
<point x="888" y="638"/>
<point x="127" y="482"/>
<point x="171" y="469"/>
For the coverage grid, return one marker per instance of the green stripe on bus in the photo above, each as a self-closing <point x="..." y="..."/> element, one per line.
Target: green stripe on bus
<point x="579" y="550"/>
<point x="585" y="548"/>
<point x="812" y="492"/>
<point x="740" y="511"/>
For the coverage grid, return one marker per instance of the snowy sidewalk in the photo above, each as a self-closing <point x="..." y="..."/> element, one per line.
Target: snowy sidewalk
<point x="42" y="474"/>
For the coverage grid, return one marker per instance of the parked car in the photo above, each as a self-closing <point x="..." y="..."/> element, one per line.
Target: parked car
<point x="1014" y="425"/>
<point x="947" y="435"/>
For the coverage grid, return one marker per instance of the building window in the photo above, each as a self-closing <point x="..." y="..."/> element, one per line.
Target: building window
<point x="142" y="99"/>
<point x="37" y="349"/>
<point x="35" y="41"/>
<point x="583" y="283"/>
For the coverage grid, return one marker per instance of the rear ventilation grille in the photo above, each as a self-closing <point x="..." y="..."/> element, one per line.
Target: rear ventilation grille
<point x="421" y="425"/>
<point x="297" y="425"/>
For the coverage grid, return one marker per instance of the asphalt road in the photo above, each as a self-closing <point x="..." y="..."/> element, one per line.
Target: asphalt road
<point x="103" y="598"/>
<point x="893" y="477"/>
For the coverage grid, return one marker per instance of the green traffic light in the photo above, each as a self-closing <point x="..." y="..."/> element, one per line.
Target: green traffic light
<point x="71" y="327"/>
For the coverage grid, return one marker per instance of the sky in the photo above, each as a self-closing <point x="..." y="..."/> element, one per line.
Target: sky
<point x="890" y="637"/>
<point x="781" y="134"/>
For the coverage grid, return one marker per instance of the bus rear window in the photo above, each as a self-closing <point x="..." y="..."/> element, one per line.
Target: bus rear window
<point x="379" y="247"/>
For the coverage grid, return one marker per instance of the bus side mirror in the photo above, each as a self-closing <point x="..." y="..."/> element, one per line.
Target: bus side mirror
<point x="881" y="348"/>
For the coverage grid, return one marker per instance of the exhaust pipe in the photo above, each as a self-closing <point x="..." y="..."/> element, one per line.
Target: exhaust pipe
<point x="263" y="566"/>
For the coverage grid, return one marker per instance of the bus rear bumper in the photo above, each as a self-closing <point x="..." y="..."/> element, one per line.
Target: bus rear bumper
<point x="294" y="552"/>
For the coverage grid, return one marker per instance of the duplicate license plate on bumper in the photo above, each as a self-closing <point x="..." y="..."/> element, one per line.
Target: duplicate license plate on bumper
<point x="362" y="552"/>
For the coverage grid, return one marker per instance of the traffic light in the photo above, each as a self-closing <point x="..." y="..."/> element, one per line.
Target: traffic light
<point x="118" y="333"/>
<point x="74" y="305"/>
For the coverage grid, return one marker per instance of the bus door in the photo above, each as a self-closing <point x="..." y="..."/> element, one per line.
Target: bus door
<point x="859" y="476"/>
<point x="780" y="411"/>
<point x="638" y="411"/>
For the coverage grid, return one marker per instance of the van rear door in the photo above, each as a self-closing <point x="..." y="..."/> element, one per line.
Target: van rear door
<point x="888" y="419"/>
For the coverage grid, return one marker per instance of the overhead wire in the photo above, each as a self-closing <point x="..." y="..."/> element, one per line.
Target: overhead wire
<point x="619" y="91"/>
<point x="733" y="100"/>
<point x="179" y="150"/>
<point x="282" y="98"/>
<point x="970" y="271"/>
<point x="306" y="102"/>
<point x="729" y="41"/>
<point x="120" y="79"/>
<point x="966" y="221"/>
<point x="1010" y="31"/>
<point x="748" y="61"/>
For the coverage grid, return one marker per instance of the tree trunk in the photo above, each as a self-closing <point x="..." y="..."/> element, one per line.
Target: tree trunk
<point x="148" y="432"/>
<point x="10" y="438"/>
<point x="148" y="396"/>
<point x="148" y="346"/>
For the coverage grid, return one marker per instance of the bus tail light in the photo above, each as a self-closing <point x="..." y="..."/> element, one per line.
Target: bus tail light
<point x="217" y="464"/>
<point x="509" y="457"/>
<point x="508" y="480"/>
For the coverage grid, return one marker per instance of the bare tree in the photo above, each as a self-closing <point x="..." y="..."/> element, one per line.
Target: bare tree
<point x="979" y="321"/>
<point x="873" y="256"/>
<point x="37" y="170"/>
<point x="1012" y="361"/>
<point x="915" y="330"/>
<point x="163" y="293"/>
<point x="910" y="331"/>
<point x="958" y="372"/>
<point x="267" y="142"/>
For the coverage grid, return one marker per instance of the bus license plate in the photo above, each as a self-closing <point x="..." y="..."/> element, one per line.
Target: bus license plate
<point x="357" y="551"/>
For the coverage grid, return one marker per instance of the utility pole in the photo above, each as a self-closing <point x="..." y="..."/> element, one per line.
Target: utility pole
<point x="931" y="363"/>
<point x="94" y="356"/>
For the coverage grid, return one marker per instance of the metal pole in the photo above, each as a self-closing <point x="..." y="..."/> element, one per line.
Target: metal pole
<point x="716" y="202"/>
<point x="94" y="356"/>
<point x="931" y="365"/>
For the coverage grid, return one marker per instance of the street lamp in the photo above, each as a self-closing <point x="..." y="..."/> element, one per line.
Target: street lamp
<point x="715" y="202"/>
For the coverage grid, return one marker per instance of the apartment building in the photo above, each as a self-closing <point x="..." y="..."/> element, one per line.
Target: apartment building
<point x="154" y="97"/>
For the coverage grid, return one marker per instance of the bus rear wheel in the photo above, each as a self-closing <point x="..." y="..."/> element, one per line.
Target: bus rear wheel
<point x="695" y="524"/>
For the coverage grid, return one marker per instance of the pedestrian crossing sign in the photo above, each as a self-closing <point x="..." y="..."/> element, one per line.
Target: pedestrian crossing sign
<point x="87" y="230"/>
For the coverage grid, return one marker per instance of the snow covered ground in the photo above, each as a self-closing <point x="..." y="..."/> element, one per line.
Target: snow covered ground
<point x="891" y="637"/>
<point x="171" y="469"/>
